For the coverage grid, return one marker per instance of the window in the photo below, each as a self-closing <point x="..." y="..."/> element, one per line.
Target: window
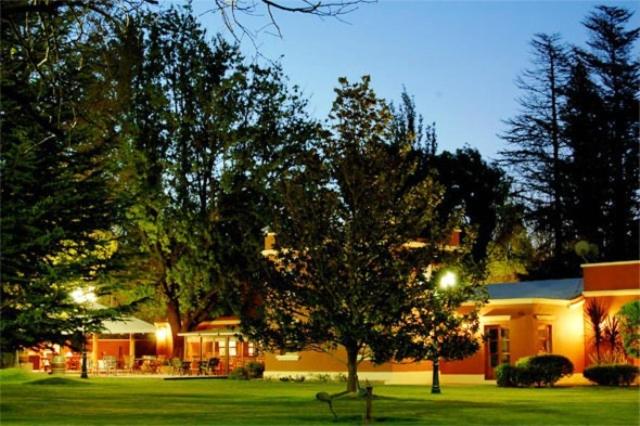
<point x="232" y="347"/>
<point x="251" y="349"/>
<point x="505" y="350"/>
<point x="544" y="338"/>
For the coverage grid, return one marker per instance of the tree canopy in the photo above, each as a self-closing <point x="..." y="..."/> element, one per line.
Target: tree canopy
<point x="354" y="231"/>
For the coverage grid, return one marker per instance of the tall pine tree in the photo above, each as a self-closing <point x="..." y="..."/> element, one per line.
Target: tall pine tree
<point x="537" y="153"/>
<point x="616" y="71"/>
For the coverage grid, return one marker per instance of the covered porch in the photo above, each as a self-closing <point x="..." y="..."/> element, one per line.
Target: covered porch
<point x="219" y="339"/>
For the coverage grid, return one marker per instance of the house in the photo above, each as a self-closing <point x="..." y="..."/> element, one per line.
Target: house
<point x="520" y="319"/>
<point x="220" y="339"/>
<point x="123" y="341"/>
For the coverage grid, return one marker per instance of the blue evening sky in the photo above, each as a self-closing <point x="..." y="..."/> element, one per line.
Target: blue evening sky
<point x="459" y="59"/>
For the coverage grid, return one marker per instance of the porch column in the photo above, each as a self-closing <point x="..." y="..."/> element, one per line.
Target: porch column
<point x="226" y="354"/>
<point x="94" y="351"/>
<point x="132" y="351"/>
<point x="185" y="346"/>
<point x="201" y="348"/>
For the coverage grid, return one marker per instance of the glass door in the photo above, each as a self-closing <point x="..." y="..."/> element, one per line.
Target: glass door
<point x="497" y="349"/>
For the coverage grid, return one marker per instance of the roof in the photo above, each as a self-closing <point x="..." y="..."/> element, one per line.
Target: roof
<point x="221" y="326"/>
<point x="127" y="325"/>
<point x="564" y="289"/>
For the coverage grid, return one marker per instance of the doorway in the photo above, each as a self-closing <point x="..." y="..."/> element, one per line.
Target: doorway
<point x="497" y="349"/>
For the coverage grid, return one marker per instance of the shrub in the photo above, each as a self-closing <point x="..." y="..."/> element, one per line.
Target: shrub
<point x="239" y="373"/>
<point x="541" y="370"/>
<point x="506" y="376"/>
<point x="630" y="316"/>
<point x="544" y="370"/>
<point x="612" y="375"/>
<point x="255" y="369"/>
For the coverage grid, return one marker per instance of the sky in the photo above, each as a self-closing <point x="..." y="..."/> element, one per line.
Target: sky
<point x="459" y="59"/>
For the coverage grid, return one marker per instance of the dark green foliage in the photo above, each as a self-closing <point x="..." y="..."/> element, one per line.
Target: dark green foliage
<point x="239" y="373"/>
<point x="58" y="208"/>
<point x="342" y="275"/>
<point x="506" y="376"/>
<point x="207" y="137"/>
<point x="614" y="65"/>
<point x="596" y="315"/>
<point x="543" y="370"/>
<point x="536" y="152"/>
<point x="629" y="315"/>
<point x="255" y="369"/>
<point x="481" y="190"/>
<point x="574" y="145"/>
<point x="612" y="375"/>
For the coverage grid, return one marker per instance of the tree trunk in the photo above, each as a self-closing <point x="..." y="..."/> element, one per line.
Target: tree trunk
<point x="173" y="316"/>
<point x="352" y="368"/>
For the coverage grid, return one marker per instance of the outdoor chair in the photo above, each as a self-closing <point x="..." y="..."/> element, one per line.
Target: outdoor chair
<point x="211" y="366"/>
<point x="186" y="367"/>
<point x="107" y="365"/>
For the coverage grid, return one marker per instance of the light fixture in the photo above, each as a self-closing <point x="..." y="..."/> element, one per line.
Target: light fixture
<point x="448" y="280"/>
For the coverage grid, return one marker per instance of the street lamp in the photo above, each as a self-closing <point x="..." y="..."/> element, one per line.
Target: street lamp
<point x="446" y="281"/>
<point x="82" y="296"/>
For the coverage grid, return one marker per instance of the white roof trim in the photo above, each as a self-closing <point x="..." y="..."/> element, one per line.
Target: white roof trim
<point x="621" y="262"/>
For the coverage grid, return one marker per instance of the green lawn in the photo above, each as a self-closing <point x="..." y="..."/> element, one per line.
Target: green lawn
<point x="30" y="400"/>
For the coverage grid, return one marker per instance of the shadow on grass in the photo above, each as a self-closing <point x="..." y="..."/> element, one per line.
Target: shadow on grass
<point x="58" y="381"/>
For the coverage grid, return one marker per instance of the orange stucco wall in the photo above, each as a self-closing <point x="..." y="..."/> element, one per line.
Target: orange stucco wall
<point x="611" y="276"/>
<point x="570" y="331"/>
<point x="335" y="362"/>
<point x="567" y="339"/>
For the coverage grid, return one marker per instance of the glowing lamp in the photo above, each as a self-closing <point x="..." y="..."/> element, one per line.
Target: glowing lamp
<point x="448" y="280"/>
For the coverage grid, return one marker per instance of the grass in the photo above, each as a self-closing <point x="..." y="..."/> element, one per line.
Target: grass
<point x="151" y="401"/>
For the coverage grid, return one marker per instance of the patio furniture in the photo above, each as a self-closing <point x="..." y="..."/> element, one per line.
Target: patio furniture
<point x="149" y="364"/>
<point x="107" y="365"/>
<point x="211" y="366"/>
<point x="186" y="367"/>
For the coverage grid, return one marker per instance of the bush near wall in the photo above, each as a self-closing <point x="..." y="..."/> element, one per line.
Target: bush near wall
<point x="239" y="373"/>
<point x="612" y="374"/>
<point x="541" y="370"/>
<point x="255" y="369"/>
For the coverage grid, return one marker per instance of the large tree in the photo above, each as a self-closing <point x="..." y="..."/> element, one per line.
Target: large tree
<point x="537" y="152"/>
<point x="58" y="206"/>
<point x="354" y="231"/>
<point x="616" y="71"/>
<point x="206" y="136"/>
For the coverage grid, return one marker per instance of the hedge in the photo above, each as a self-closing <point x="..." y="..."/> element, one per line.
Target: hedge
<point x="543" y="370"/>
<point x="612" y="374"/>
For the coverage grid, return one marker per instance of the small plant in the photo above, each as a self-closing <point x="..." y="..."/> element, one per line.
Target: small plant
<point x="506" y="376"/>
<point x="239" y="373"/>
<point x="612" y="374"/>
<point x="323" y="378"/>
<point x="255" y="369"/>
<point x="596" y="313"/>
<point x="295" y="379"/>
<point x="629" y="316"/>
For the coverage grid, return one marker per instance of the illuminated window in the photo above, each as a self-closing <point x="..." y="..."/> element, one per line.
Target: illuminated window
<point x="232" y="348"/>
<point x="251" y="349"/>
<point x="544" y="338"/>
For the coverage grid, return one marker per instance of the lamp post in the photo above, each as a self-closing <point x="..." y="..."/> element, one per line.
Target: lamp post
<point x="82" y="296"/>
<point x="446" y="281"/>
